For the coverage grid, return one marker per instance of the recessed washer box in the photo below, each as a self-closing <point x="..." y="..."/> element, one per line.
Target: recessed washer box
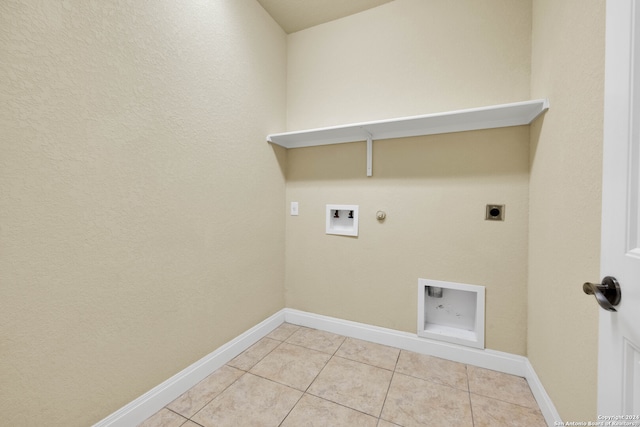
<point x="451" y="312"/>
<point x="342" y="220"/>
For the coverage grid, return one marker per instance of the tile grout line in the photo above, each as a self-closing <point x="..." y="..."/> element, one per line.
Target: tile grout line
<point x="217" y="395"/>
<point x="505" y="401"/>
<point x="537" y="407"/>
<point x="362" y="363"/>
<point x="466" y="371"/>
<point x="325" y="365"/>
<point x="189" y="419"/>
<point x="313" y="380"/>
<point x="341" y="404"/>
<point x="393" y="373"/>
<point x="236" y="380"/>
<point x="177" y="413"/>
<point x="431" y="381"/>
<point x="308" y="348"/>
<point x="292" y="408"/>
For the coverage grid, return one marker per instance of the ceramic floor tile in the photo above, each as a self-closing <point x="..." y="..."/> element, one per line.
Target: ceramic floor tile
<point x="353" y="384"/>
<point x="282" y="332"/>
<point x="497" y="385"/>
<point x="415" y="402"/>
<point x="247" y="359"/>
<point x="496" y="413"/>
<point x="434" y="369"/>
<point x="313" y="411"/>
<point x="205" y="391"/>
<point x="164" y="418"/>
<point x="291" y="365"/>
<point x="350" y="388"/>
<point x="314" y="339"/>
<point x="369" y="353"/>
<point x="250" y="401"/>
<point x="383" y="423"/>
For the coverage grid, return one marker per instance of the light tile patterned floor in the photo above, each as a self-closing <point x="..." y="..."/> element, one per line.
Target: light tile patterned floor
<point x="297" y="376"/>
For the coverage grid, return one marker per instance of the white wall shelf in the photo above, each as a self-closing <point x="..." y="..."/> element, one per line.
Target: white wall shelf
<point x="495" y="116"/>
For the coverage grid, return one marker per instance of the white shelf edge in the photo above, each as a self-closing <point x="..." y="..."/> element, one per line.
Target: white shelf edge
<point x="495" y="116"/>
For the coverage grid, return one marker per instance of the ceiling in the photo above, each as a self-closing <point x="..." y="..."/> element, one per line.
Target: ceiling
<point x="296" y="15"/>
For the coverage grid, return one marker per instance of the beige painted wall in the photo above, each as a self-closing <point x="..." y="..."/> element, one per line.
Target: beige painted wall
<point x="133" y="162"/>
<point x="565" y="188"/>
<point x="434" y="192"/>
<point x="411" y="57"/>
<point x="141" y="221"/>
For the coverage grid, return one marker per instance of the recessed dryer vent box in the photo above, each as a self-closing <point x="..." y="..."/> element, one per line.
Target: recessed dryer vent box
<point x="451" y="312"/>
<point x="342" y="219"/>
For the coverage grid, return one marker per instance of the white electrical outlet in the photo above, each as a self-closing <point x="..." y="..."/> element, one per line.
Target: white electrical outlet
<point x="294" y="208"/>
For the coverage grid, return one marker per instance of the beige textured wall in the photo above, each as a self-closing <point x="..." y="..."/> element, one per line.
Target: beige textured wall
<point x="141" y="220"/>
<point x="411" y="57"/>
<point x="434" y="191"/>
<point x="566" y="156"/>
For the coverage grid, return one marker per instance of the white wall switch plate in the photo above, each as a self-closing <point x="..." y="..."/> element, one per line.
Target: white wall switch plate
<point x="294" y="208"/>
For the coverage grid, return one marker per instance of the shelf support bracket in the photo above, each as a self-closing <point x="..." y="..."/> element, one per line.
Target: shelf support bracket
<point x="369" y="154"/>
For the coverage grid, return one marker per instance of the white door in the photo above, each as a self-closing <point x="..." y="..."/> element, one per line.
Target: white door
<point x="619" y="332"/>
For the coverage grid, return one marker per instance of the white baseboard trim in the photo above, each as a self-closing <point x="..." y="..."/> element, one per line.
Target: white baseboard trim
<point x="155" y="399"/>
<point x="495" y="360"/>
<point x="547" y="407"/>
